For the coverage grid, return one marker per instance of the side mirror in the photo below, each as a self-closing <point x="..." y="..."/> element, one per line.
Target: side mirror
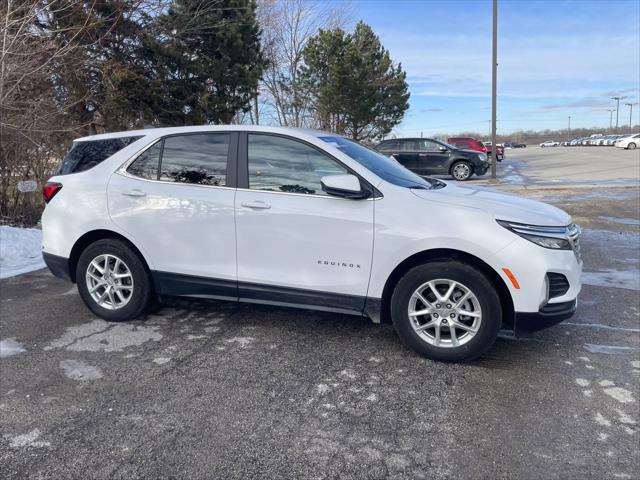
<point x="346" y="186"/>
<point x="442" y="148"/>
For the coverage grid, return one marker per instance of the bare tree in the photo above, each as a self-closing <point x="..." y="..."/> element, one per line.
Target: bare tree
<point x="36" y="121"/>
<point x="287" y="25"/>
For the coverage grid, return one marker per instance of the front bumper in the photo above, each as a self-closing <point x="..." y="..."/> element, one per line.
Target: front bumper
<point x="481" y="168"/>
<point x="549" y="315"/>
<point x="59" y="266"/>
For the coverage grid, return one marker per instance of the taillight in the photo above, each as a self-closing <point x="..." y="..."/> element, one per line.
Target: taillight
<point x="49" y="190"/>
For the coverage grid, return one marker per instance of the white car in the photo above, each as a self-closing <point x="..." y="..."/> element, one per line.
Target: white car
<point x="304" y="219"/>
<point x="631" y="142"/>
<point x="549" y="143"/>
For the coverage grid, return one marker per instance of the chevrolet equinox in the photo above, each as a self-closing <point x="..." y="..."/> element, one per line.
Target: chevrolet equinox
<point x="304" y="219"/>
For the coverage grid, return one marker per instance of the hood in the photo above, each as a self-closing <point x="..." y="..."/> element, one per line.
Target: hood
<point x="502" y="206"/>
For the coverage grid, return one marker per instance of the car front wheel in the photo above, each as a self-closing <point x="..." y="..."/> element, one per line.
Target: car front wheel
<point x="447" y="311"/>
<point x="631" y="146"/>
<point x="113" y="282"/>
<point x="461" y="171"/>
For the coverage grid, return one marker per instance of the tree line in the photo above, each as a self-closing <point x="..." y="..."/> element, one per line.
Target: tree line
<point x="70" y="68"/>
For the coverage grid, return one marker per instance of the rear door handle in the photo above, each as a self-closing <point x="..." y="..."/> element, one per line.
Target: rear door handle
<point x="257" y="205"/>
<point x="134" y="193"/>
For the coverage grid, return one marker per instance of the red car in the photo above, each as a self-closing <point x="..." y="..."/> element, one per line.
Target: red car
<point x="469" y="143"/>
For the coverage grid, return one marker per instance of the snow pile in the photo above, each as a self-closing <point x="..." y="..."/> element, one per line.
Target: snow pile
<point x="20" y="250"/>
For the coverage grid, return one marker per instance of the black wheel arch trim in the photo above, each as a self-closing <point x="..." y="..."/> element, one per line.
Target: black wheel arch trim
<point x="443" y="255"/>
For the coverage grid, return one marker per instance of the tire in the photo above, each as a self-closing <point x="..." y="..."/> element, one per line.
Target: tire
<point x="131" y="279"/>
<point x="485" y="302"/>
<point x="632" y="146"/>
<point x="461" y="171"/>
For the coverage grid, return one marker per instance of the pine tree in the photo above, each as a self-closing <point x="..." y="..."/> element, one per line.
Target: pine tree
<point x="356" y="88"/>
<point x="207" y="63"/>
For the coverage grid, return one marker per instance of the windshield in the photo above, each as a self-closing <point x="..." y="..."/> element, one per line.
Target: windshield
<point x="386" y="168"/>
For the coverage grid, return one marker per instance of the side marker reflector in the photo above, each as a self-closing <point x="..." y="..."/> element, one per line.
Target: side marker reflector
<point x="512" y="277"/>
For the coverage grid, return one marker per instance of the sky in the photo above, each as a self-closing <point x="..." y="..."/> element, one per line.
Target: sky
<point x="556" y="58"/>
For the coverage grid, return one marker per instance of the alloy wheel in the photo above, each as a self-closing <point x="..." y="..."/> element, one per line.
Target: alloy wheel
<point x="444" y="313"/>
<point x="109" y="281"/>
<point x="461" y="171"/>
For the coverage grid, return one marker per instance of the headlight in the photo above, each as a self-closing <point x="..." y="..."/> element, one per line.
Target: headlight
<point x="555" y="238"/>
<point x="482" y="156"/>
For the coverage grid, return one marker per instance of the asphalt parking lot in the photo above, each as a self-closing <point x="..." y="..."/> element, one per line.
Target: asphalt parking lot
<point x="218" y="390"/>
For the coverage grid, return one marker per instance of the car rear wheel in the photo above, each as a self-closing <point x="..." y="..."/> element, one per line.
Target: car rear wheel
<point x="461" y="171"/>
<point x="446" y="311"/>
<point x="632" y="146"/>
<point x="113" y="281"/>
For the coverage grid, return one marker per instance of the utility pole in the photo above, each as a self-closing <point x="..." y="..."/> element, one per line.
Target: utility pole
<point x="617" y="99"/>
<point x="569" y="129"/>
<point x="611" y="118"/>
<point x="494" y="89"/>
<point x="630" y="105"/>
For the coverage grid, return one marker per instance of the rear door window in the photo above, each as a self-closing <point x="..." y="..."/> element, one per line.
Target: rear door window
<point x="199" y="159"/>
<point x="408" y="146"/>
<point x="146" y="165"/>
<point x="87" y="154"/>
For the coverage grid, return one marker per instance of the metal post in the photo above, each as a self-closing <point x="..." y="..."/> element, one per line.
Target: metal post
<point x="617" y="99"/>
<point x="611" y="118"/>
<point x="494" y="89"/>
<point x="630" y="105"/>
<point x="569" y="129"/>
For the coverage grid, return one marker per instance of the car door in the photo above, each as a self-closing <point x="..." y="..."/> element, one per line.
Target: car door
<point x="176" y="203"/>
<point x="432" y="159"/>
<point x="408" y="154"/>
<point x="296" y="244"/>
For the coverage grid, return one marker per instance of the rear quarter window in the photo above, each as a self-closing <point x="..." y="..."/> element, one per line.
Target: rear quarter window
<point x="87" y="154"/>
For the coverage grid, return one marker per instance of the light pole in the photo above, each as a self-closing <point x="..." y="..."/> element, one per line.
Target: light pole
<point x="611" y="118"/>
<point x="494" y="89"/>
<point x="569" y="129"/>
<point x="617" y="99"/>
<point x="630" y="105"/>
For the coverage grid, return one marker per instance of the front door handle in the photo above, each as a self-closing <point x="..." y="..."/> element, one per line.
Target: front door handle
<point x="422" y="154"/>
<point x="257" y="205"/>
<point x="134" y="193"/>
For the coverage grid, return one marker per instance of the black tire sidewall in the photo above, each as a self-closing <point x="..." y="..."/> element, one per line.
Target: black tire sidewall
<point x="473" y="279"/>
<point x="142" y="285"/>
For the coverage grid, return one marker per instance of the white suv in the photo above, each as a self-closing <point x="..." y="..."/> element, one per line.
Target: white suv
<point x="304" y="219"/>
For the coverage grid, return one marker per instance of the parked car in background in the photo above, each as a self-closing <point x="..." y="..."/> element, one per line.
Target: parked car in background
<point x="467" y="143"/>
<point x="499" y="149"/>
<point x="426" y="156"/>
<point x="549" y="143"/>
<point x="630" y="142"/>
<point x="289" y="217"/>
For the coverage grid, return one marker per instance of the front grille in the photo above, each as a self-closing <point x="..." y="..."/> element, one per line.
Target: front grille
<point x="558" y="284"/>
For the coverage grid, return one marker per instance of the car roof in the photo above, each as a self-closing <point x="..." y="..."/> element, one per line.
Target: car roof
<point x="157" y="132"/>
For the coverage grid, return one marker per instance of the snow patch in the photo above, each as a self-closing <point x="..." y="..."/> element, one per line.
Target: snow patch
<point x="161" y="360"/>
<point x="20" y="250"/>
<point x="629" y="279"/>
<point x="9" y="347"/>
<point x="28" y="440"/>
<point x="77" y="370"/>
<point x="242" y="341"/>
<point x="600" y="420"/>
<point x="99" y="335"/>
<point x="607" y="349"/>
<point x="582" y="382"/>
<point x="620" y="394"/>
